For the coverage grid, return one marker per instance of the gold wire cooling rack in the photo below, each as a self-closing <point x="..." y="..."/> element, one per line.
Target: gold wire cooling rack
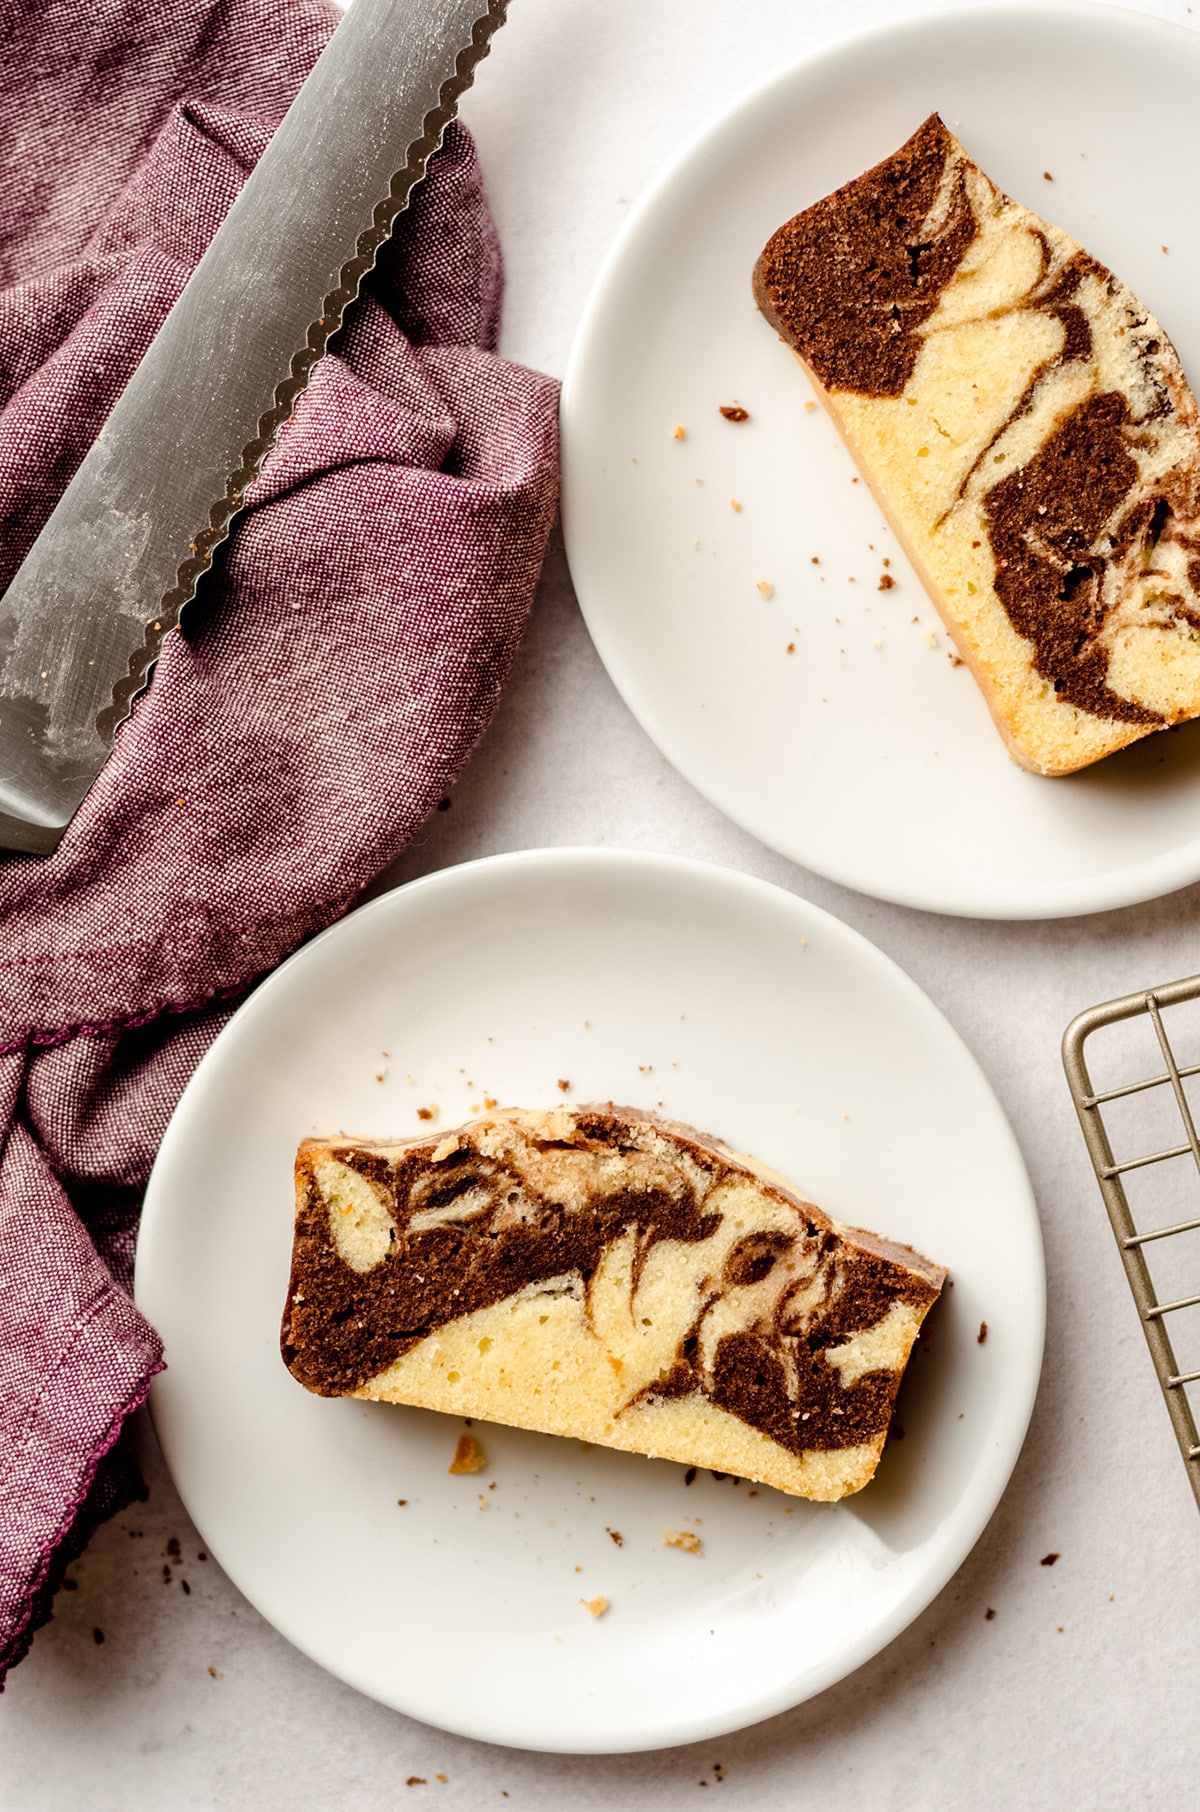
<point x="1158" y="1187"/>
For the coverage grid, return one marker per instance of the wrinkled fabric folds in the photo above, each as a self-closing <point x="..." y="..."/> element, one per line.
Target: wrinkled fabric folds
<point x="334" y="672"/>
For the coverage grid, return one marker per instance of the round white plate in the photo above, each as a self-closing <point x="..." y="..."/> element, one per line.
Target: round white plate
<point x="643" y="979"/>
<point x="863" y="754"/>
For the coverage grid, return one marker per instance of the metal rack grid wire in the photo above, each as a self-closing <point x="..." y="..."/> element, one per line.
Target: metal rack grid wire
<point x="1131" y="1241"/>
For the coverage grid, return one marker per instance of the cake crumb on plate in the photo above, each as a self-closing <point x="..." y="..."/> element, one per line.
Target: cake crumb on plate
<point x="468" y="1455"/>
<point x="682" y="1538"/>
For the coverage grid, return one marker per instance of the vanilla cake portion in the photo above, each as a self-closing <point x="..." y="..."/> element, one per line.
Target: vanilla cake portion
<point x="605" y="1274"/>
<point x="1026" y="427"/>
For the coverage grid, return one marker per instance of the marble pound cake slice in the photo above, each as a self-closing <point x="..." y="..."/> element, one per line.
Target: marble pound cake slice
<point x="599" y="1273"/>
<point x="1026" y="427"/>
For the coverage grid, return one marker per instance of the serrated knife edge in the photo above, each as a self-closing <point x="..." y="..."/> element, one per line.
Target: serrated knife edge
<point x="321" y="330"/>
<point x="53" y="742"/>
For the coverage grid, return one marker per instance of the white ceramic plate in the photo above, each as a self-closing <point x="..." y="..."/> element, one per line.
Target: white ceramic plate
<point x="863" y="754"/>
<point x="643" y="979"/>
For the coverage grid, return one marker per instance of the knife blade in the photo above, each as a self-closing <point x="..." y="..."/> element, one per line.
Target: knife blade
<point x="83" y="619"/>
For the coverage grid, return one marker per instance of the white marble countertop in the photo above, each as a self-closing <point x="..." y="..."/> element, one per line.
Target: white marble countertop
<point x="1080" y="1691"/>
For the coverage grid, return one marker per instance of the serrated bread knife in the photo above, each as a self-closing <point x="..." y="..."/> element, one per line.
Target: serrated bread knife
<point x="82" y="621"/>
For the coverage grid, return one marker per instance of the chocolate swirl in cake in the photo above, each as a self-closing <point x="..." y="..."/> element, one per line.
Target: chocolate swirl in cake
<point x="788" y="1325"/>
<point x="1084" y="481"/>
<point x="852" y="291"/>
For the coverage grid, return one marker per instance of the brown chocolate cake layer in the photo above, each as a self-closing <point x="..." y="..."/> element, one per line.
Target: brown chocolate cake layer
<point x="606" y="1274"/>
<point x="1025" y="424"/>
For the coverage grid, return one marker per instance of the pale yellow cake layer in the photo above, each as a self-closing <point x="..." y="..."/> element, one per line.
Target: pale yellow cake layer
<point x="562" y="1361"/>
<point x="534" y="1362"/>
<point x="931" y="454"/>
<point x="707" y="1254"/>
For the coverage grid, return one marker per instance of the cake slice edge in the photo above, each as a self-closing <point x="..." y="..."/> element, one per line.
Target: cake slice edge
<point x="584" y="1365"/>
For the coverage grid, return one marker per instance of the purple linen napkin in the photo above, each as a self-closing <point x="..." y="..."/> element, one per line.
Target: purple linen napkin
<point x="336" y="670"/>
